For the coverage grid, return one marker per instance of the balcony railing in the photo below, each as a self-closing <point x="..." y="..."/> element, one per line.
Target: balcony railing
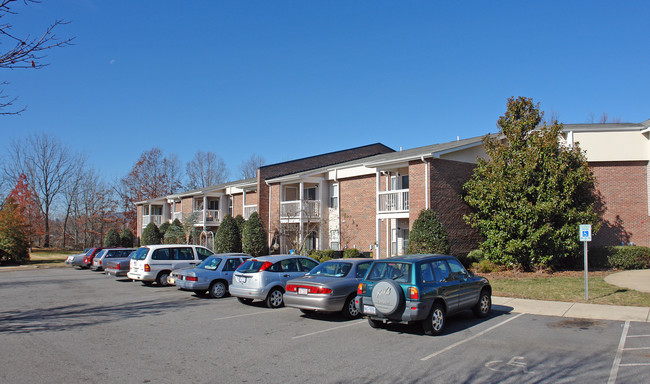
<point x="177" y="215"/>
<point x="156" y="219"/>
<point x="394" y="201"/>
<point x="212" y="216"/>
<point x="292" y="209"/>
<point x="248" y="211"/>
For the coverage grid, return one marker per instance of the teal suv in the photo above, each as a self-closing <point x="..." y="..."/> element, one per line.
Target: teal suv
<point x="421" y="289"/>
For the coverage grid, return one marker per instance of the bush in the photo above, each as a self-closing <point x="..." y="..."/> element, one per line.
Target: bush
<point x="112" y="238"/>
<point x="163" y="229"/>
<point x="150" y="235"/>
<point x="175" y="234"/>
<point x="322" y="256"/>
<point x="14" y="242"/>
<point x="253" y="236"/>
<point x="126" y="238"/>
<point x="227" y="238"/>
<point x="351" y="253"/>
<point x="472" y="257"/>
<point x="620" y="257"/>
<point x="239" y="219"/>
<point x="486" y="266"/>
<point x="428" y="235"/>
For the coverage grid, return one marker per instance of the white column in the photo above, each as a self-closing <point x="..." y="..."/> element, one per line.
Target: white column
<point x="205" y="207"/>
<point x="301" y="208"/>
<point x="377" y="252"/>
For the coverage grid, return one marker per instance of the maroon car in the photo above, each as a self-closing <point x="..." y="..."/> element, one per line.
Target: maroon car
<point x="90" y="255"/>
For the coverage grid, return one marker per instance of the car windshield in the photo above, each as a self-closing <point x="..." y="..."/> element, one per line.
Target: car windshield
<point x="141" y="253"/>
<point x="332" y="269"/>
<point x="251" y="266"/>
<point x="210" y="263"/>
<point x="400" y="272"/>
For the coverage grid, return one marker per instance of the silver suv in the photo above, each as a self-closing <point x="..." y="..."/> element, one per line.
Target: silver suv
<point x="264" y="278"/>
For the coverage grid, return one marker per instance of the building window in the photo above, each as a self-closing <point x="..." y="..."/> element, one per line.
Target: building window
<point x="213" y="205"/>
<point x="335" y="242"/>
<point x="334" y="196"/>
<point x="230" y="209"/>
<point x="156" y="210"/>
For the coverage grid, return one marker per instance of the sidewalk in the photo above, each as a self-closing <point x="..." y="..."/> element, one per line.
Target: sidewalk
<point x="577" y="310"/>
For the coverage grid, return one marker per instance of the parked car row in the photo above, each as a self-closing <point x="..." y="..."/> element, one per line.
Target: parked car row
<point x="422" y="289"/>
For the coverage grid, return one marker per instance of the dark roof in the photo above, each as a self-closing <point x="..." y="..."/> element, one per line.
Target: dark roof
<point x="324" y="160"/>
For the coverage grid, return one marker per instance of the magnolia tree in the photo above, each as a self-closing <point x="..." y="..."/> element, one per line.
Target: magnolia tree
<point x="531" y="193"/>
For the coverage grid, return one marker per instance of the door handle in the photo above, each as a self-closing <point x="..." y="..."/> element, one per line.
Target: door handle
<point x="285" y="275"/>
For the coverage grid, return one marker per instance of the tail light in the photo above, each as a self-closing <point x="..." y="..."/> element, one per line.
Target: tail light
<point x="310" y="289"/>
<point x="99" y="262"/>
<point x="412" y="293"/>
<point x="147" y="268"/>
<point x="191" y="278"/>
<point x="265" y="266"/>
<point x="362" y="289"/>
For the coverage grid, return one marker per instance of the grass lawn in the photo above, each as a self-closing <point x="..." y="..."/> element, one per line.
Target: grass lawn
<point x="49" y="256"/>
<point x="564" y="286"/>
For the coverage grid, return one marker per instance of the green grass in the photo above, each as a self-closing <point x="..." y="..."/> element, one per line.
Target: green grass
<point x="567" y="288"/>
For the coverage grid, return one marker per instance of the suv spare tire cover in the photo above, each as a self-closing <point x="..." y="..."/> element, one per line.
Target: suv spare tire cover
<point x="387" y="297"/>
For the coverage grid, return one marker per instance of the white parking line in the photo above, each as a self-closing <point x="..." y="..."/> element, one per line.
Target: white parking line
<point x="250" y="314"/>
<point x="329" y="329"/>
<point x="470" y="338"/>
<point x="619" y="354"/>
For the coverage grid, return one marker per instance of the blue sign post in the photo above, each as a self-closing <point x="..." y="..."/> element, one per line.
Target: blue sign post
<point x="585" y="236"/>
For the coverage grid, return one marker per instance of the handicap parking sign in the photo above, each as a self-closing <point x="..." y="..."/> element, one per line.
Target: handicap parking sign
<point x="585" y="232"/>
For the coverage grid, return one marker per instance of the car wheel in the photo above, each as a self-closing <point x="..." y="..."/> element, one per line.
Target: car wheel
<point x="350" y="310"/>
<point x="147" y="283"/>
<point x="244" y="301"/>
<point x="376" y="323"/>
<point x="484" y="305"/>
<point x="162" y="279"/>
<point x="387" y="297"/>
<point x="275" y="298"/>
<point x="217" y="289"/>
<point x="435" y="322"/>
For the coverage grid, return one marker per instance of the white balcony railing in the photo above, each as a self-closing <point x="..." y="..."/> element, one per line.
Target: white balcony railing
<point x="394" y="201"/>
<point x="156" y="219"/>
<point x="248" y="211"/>
<point x="177" y="215"/>
<point x="210" y="216"/>
<point x="292" y="209"/>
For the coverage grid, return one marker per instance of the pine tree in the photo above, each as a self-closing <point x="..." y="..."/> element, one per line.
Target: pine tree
<point x="112" y="238"/>
<point x="227" y="238"/>
<point x="126" y="238"/>
<point x="254" y="236"/>
<point x="150" y="235"/>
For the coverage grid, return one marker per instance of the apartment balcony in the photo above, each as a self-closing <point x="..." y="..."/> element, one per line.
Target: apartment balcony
<point x="177" y="215"/>
<point x="156" y="219"/>
<point x="308" y="210"/>
<point x="393" y="202"/>
<point x="248" y="211"/>
<point x="208" y="217"/>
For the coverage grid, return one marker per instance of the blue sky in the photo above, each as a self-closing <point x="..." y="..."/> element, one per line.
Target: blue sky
<point x="289" y="79"/>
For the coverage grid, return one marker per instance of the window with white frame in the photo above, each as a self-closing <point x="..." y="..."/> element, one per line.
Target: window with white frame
<point x="334" y="196"/>
<point x="335" y="242"/>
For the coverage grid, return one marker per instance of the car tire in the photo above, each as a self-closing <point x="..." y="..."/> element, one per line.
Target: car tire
<point x="350" y="310"/>
<point x="244" y="301"/>
<point x="218" y="289"/>
<point x="161" y="280"/>
<point x="275" y="299"/>
<point x="435" y="322"/>
<point x="147" y="283"/>
<point x="387" y="297"/>
<point x="376" y="323"/>
<point x="484" y="306"/>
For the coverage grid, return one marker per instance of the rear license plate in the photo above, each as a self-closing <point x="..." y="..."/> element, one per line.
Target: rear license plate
<point x="303" y="291"/>
<point x="369" y="309"/>
<point x="241" y="279"/>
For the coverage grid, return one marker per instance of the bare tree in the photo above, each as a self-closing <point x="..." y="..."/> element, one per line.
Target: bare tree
<point x="23" y="51"/>
<point x="71" y="192"/>
<point x="602" y="119"/>
<point x="206" y="169"/>
<point x="248" y="168"/>
<point x="47" y="164"/>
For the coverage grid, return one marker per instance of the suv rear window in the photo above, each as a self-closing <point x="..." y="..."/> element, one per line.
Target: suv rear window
<point x="400" y="272"/>
<point x="140" y="254"/>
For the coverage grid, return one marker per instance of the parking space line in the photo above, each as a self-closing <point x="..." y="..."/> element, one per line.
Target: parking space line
<point x="629" y="337"/>
<point x="470" y="338"/>
<point x="635" y="349"/>
<point x="249" y="314"/>
<point x="619" y="354"/>
<point x="329" y="329"/>
<point x="634" y="365"/>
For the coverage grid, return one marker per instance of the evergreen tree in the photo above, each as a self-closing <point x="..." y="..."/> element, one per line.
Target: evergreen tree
<point x="227" y="238"/>
<point x="112" y="238"/>
<point x="428" y="234"/>
<point x="239" y="219"/>
<point x="150" y="235"/>
<point x="254" y="236"/>
<point x="531" y="193"/>
<point x="175" y="234"/>
<point x="126" y="238"/>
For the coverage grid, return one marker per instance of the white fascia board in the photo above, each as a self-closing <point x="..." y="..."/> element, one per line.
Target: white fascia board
<point x="152" y="201"/>
<point x="437" y="154"/>
<point x="397" y="162"/>
<point x="344" y="173"/>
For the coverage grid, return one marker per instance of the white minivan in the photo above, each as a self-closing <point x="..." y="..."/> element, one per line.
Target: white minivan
<point x="153" y="263"/>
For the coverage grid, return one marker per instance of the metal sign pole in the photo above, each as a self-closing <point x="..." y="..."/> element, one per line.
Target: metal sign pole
<point x="584" y="233"/>
<point x="586" y="274"/>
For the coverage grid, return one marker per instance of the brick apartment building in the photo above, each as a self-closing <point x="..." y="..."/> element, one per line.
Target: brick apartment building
<point x="368" y="197"/>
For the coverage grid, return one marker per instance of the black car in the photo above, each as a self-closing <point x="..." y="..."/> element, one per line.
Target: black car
<point x="421" y="288"/>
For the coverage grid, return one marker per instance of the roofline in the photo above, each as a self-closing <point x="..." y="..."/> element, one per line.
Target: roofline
<point x="326" y="154"/>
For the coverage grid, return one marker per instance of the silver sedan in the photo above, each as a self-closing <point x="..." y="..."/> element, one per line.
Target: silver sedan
<point x="330" y="287"/>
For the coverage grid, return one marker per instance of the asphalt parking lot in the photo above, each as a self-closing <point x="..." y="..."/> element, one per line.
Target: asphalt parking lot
<point x="68" y="325"/>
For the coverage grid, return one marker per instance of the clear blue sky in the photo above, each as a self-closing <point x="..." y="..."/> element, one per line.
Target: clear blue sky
<point x="288" y="79"/>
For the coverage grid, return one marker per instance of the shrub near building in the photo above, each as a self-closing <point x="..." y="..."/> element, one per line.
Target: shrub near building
<point x="227" y="238"/>
<point x="150" y="235"/>
<point x="254" y="236"/>
<point x="428" y="235"/>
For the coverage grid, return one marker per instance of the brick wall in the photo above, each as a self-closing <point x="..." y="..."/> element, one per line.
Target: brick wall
<point x="187" y="204"/>
<point x="275" y="210"/>
<point x="358" y="212"/>
<point x="446" y="180"/>
<point x="623" y="187"/>
<point x="238" y="204"/>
